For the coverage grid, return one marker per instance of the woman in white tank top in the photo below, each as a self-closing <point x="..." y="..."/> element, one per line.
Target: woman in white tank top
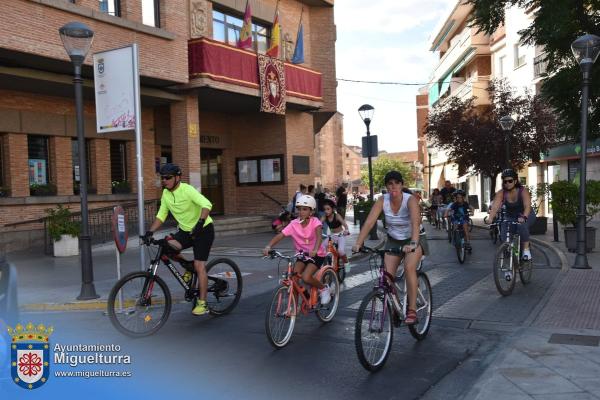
<point x="403" y="222"/>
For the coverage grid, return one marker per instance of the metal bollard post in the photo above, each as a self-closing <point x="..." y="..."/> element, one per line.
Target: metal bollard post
<point x="555" y="229"/>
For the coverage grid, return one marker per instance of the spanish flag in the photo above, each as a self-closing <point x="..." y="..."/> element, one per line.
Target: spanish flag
<point x="273" y="50"/>
<point x="245" y="41"/>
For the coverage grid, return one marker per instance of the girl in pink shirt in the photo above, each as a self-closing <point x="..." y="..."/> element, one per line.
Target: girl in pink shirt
<point x="306" y="234"/>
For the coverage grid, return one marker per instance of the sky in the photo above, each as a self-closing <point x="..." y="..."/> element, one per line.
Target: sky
<point x="384" y="40"/>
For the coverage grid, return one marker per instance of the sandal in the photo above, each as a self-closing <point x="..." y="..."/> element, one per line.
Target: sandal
<point x="411" y="317"/>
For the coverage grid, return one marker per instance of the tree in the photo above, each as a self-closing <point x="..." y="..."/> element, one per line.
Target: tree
<point x="381" y="166"/>
<point x="556" y="24"/>
<point x="473" y="138"/>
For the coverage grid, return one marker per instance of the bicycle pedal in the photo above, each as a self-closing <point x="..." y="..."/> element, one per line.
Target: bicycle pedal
<point x="508" y="277"/>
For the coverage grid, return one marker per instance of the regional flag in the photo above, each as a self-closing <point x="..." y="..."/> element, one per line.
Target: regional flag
<point x="298" y="57"/>
<point x="273" y="50"/>
<point x="245" y="41"/>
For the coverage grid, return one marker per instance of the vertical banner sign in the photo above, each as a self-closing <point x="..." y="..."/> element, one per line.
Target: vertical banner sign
<point x="114" y="88"/>
<point x="118" y="108"/>
<point x="119" y="228"/>
<point x="271" y="73"/>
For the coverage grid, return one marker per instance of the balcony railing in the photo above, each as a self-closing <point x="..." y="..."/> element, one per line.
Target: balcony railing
<point x="540" y="64"/>
<point x="224" y="63"/>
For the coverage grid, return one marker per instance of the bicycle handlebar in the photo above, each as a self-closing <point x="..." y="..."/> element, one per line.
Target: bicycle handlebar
<point x="370" y="250"/>
<point x="298" y="256"/>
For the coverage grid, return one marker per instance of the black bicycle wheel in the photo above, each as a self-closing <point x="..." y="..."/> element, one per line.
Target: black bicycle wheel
<point x="224" y="286"/>
<point x="281" y="317"/>
<point x="526" y="271"/>
<point x="504" y="272"/>
<point x="461" y="252"/>
<point x="326" y="312"/>
<point x="449" y="229"/>
<point x="424" y="308"/>
<point x="373" y="331"/>
<point x="138" y="307"/>
<point x="470" y="223"/>
<point x="341" y="272"/>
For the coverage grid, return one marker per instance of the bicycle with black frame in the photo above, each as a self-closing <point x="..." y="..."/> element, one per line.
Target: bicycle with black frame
<point x="140" y="303"/>
<point x="508" y="259"/>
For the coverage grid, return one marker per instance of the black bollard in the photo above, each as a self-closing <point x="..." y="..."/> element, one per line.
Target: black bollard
<point x="555" y="229"/>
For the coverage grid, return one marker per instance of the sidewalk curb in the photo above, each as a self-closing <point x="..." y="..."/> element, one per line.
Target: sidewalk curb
<point x="100" y="305"/>
<point x="564" y="263"/>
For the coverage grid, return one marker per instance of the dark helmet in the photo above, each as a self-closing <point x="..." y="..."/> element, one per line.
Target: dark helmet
<point x="460" y="192"/>
<point x="509" y="173"/>
<point x="170" y="169"/>
<point x="328" y="202"/>
<point x="395" y="175"/>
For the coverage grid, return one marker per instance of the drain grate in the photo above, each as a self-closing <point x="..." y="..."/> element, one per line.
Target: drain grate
<point x="575" y="340"/>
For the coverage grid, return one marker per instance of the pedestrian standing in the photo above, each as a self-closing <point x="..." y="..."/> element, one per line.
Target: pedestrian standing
<point x="342" y="201"/>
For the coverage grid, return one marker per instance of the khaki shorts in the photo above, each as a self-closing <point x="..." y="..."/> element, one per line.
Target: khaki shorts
<point x="391" y="243"/>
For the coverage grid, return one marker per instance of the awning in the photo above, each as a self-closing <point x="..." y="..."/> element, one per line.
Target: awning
<point x="436" y="177"/>
<point x="571" y="151"/>
<point x="451" y="172"/>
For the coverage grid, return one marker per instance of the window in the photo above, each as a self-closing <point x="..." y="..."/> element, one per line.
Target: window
<point x="226" y="28"/>
<point x="260" y="170"/>
<point x="39" y="168"/>
<point x="301" y="165"/>
<point x="76" y="169"/>
<point x="519" y="55"/>
<point x="347" y="155"/>
<point x="110" y="7"/>
<point x="151" y="12"/>
<point x="118" y="161"/>
<point x="501" y="64"/>
<point x="574" y="167"/>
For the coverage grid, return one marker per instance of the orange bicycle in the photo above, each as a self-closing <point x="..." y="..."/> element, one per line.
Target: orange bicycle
<point x="333" y="256"/>
<point x="290" y="297"/>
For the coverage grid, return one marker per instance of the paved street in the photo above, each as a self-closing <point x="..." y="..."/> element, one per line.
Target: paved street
<point x="231" y="355"/>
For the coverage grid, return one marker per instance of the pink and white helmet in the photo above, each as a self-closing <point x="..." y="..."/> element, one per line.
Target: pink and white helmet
<point x="306" y="201"/>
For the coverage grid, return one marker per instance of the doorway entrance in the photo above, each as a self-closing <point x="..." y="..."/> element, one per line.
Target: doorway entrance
<point x="212" y="178"/>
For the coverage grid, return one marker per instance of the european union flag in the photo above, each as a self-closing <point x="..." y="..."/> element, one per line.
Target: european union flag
<point x="298" y="57"/>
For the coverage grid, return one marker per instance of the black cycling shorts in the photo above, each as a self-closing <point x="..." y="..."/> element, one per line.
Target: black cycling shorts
<point x="319" y="261"/>
<point x="202" y="243"/>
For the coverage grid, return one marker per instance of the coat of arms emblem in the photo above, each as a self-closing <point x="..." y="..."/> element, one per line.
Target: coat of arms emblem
<point x="30" y="355"/>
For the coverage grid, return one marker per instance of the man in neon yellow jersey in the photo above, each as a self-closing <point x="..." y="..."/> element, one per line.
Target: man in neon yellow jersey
<point x="191" y="211"/>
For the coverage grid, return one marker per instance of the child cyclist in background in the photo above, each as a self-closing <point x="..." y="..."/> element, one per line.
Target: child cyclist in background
<point x="460" y="214"/>
<point x="306" y="233"/>
<point x="336" y="224"/>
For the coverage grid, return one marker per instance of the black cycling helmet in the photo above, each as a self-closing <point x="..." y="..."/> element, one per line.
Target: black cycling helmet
<point x="328" y="202"/>
<point x="393" y="175"/>
<point x="460" y="192"/>
<point x="170" y="169"/>
<point x="509" y="172"/>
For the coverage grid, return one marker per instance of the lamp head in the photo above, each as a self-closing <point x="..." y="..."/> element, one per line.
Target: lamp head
<point x="366" y="112"/>
<point x="586" y="49"/>
<point x="77" y="39"/>
<point x="507" y="123"/>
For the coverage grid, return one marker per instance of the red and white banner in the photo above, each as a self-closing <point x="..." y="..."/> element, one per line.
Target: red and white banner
<point x="271" y="74"/>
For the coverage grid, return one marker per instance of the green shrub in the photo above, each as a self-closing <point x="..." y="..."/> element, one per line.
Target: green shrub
<point x="60" y="223"/>
<point x="565" y="201"/>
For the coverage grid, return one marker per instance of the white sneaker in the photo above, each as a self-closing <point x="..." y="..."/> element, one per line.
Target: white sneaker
<point x="325" y="295"/>
<point x="526" y="255"/>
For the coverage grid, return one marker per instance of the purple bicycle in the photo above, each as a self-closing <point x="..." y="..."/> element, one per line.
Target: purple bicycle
<point x="384" y="308"/>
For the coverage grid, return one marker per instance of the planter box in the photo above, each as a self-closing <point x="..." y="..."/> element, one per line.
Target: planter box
<point x="571" y="239"/>
<point x="121" y="190"/>
<point x="66" y="246"/>
<point x="539" y="227"/>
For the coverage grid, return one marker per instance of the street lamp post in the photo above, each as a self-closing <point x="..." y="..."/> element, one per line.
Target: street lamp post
<point x="429" y="174"/>
<point x="585" y="49"/>
<point x="77" y="40"/>
<point x="366" y="112"/>
<point x="507" y="123"/>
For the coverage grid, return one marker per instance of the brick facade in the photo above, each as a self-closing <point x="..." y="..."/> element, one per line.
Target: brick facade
<point x="179" y="121"/>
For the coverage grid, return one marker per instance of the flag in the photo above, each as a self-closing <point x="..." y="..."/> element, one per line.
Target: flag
<point x="245" y="41"/>
<point x="273" y="50"/>
<point x="298" y="57"/>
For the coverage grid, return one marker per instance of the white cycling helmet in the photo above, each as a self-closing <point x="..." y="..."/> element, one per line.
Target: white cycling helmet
<point x="306" y="201"/>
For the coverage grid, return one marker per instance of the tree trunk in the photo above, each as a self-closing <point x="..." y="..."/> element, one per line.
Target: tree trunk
<point x="493" y="186"/>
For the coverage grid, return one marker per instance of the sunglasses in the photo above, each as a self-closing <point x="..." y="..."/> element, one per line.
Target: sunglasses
<point x="508" y="181"/>
<point x="166" y="177"/>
